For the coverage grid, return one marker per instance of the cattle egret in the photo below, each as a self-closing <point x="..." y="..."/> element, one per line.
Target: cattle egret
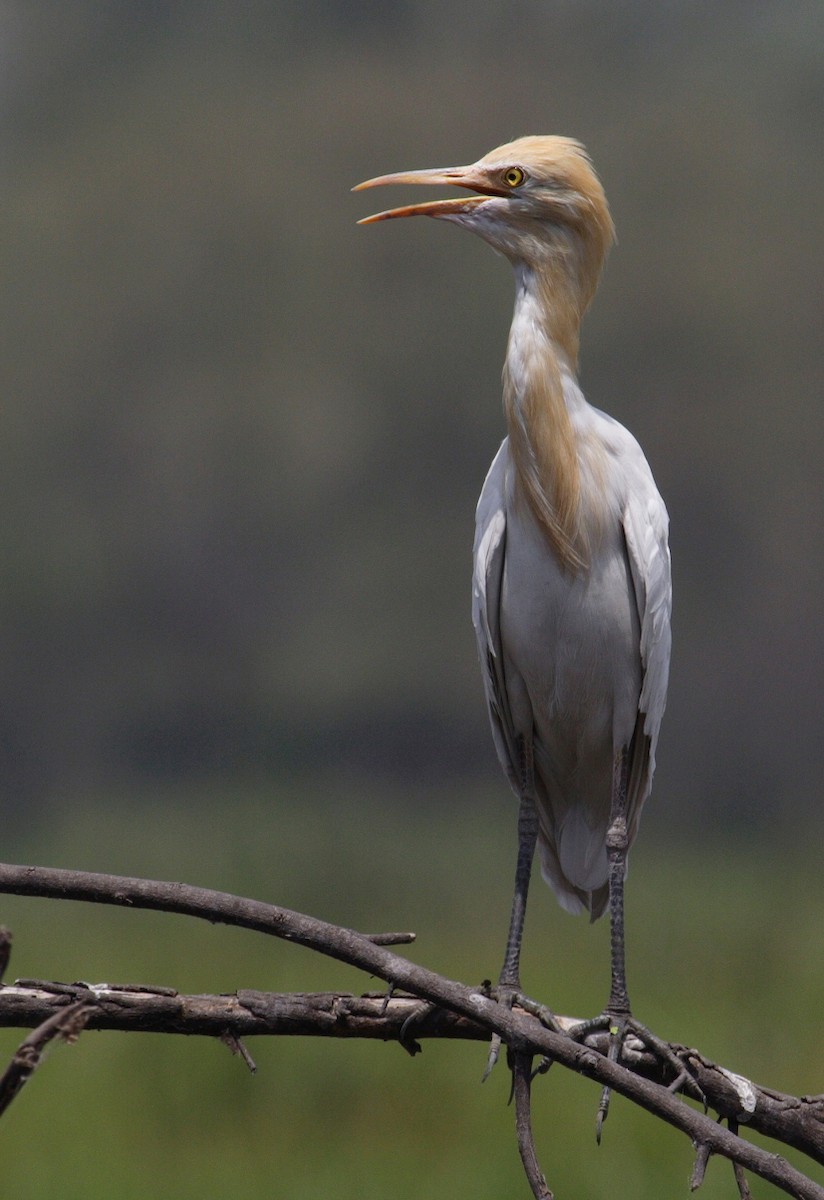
<point x="572" y="594"/>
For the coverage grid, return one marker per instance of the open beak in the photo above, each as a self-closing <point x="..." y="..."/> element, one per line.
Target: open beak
<point x="474" y="178"/>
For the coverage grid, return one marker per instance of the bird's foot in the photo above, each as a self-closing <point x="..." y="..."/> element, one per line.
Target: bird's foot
<point x="511" y="997"/>
<point x="406" y="1032"/>
<point x="506" y="995"/>
<point x="628" y="1040"/>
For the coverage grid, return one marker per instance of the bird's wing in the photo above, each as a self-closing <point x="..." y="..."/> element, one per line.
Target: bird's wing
<point x="487" y="581"/>
<point x="646" y="526"/>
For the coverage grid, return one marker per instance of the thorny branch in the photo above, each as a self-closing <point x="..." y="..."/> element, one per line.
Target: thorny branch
<point x="450" y="1009"/>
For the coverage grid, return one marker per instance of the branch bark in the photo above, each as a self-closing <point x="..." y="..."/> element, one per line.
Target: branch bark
<point x="469" y="1012"/>
<point x="66" y="1023"/>
<point x="245" y="1013"/>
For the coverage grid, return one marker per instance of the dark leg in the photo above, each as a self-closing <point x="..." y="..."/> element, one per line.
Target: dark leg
<point x="527" y="837"/>
<point x="509" y="982"/>
<point x="617" y="844"/>
<point x="617" y="1010"/>
<point x="617" y="1017"/>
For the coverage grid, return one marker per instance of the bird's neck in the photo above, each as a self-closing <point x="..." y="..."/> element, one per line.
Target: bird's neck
<point x="542" y="351"/>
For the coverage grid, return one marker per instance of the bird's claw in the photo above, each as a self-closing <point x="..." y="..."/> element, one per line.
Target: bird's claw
<point x="505" y="996"/>
<point x="410" y="1045"/>
<point x="618" y="1027"/>
<point x="601" y="1115"/>
<point x="492" y="1056"/>
<point x="510" y="997"/>
<point x="624" y="1030"/>
<point x="415" y="1017"/>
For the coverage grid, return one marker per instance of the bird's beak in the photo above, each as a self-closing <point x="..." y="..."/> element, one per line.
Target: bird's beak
<point x="475" y="178"/>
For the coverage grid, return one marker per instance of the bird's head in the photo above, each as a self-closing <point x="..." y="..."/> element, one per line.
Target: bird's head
<point x="538" y="201"/>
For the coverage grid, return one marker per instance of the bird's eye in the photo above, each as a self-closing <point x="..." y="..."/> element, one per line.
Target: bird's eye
<point x="514" y="177"/>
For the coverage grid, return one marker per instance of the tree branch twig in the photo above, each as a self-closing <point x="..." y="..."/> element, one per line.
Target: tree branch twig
<point x="66" y="1023"/>
<point x="796" y="1121"/>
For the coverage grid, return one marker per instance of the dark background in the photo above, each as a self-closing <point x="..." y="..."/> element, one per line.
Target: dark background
<point x="243" y="438"/>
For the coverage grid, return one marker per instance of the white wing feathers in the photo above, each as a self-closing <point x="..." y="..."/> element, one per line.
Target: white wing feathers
<point x="645" y="529"/>
<point x="489" y="554"/>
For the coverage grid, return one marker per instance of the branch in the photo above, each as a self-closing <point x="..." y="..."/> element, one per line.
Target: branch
<point x="794" y="1121"/>
<point x="66" y="1023"/>
<point x="245" y="1013"/>
<point x="523" y="1033"/>
<point x="521" y="1065"/>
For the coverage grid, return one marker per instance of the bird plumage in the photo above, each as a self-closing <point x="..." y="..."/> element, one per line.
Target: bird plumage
<point x="571" y="592"/>
<point x="575" y="664"/>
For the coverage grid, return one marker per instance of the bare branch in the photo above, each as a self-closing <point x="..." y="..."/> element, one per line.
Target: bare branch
<point x="521" y="1065"/>
<point x="794" y="1121"/>
<point x="5" y="950"/>
<point x="245" y="1013"/>
<point x="238" y="1047"/>
<point x="523" y="1033"/>
<point x="744" y="1192"/>
<point x="66" y="1023"/>
<point x="699" y="1170"/>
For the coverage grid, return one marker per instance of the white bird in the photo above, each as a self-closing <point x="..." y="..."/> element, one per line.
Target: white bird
<point x="572" y="592"/>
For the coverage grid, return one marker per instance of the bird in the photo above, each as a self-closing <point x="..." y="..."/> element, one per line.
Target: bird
<point x="572" y="592"/>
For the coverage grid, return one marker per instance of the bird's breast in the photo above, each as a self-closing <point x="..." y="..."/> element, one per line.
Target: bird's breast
<point x="571" y="642"/>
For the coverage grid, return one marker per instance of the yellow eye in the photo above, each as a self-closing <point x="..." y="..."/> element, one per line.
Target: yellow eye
<point x="514" y="177"/>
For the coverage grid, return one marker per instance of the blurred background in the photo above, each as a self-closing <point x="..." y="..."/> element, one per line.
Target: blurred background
<point x="241" y="445"/>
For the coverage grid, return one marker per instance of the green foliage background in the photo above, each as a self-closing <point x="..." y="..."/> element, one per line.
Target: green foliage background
<point x="240" y="450"/>
<point x="722" y="955"/>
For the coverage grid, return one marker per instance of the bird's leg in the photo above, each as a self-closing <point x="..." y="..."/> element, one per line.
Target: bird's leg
<point x="509" y="982"/>
<point x="617" y="1018"/>
<point x="618" y="1009"/>
<point x="617" y="846"/>
<point x="510" y="977"/>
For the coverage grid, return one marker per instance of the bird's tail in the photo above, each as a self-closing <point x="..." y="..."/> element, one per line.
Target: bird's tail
<point x="591" y="898"/>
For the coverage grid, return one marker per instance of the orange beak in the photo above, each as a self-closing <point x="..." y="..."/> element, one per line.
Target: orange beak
<point x="474" y="178"/>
